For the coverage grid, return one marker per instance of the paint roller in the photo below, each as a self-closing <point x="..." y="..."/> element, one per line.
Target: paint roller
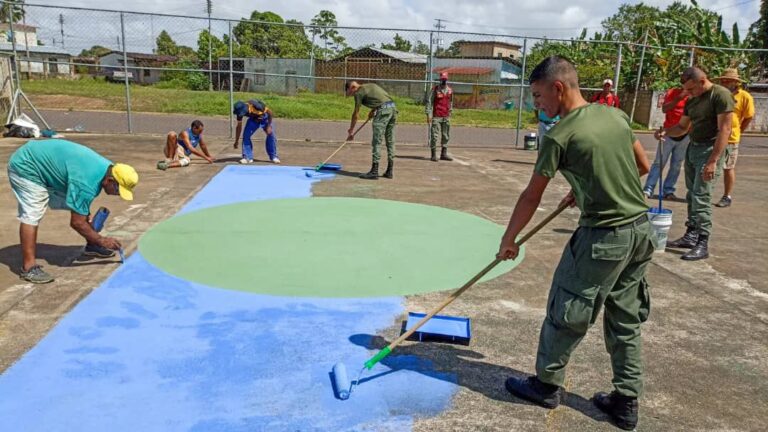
<point x="319" y="166"/>
<point x="343" y="387"/>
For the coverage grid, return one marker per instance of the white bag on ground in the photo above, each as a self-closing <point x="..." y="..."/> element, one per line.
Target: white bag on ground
<point x="22" y="127"/>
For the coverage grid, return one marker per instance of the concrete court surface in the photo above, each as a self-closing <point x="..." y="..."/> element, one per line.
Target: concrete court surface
<point x="706" y="342"/>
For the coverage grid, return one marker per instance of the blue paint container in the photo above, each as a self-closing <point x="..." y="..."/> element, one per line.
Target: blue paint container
<point x="440" y="328"/>
<point x="99" y="218"/>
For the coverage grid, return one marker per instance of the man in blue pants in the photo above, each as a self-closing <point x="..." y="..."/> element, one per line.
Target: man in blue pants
<point x="259" y="116"/>
<point x="670" y="148"/>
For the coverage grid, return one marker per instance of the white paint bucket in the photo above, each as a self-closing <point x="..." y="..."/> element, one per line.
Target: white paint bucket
<point x="661" y="220"/>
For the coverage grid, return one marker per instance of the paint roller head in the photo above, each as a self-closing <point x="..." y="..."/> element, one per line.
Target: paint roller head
<point x="341" y="384"/>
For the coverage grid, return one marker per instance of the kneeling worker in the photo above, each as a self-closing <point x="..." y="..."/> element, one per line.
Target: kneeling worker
<point x="178" y="147"/>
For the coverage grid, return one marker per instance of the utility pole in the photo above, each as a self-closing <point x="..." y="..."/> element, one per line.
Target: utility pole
<point x="439" y="26"/>
<point x="209" y="9"/>
<point x="61" y="26"/>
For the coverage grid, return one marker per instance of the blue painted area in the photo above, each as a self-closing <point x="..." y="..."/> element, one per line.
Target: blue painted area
<point x="150" y="352"/>
<point x="252" y="183"/>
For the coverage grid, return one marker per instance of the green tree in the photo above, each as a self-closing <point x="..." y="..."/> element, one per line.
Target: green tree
<point x="421" y="48"/>
<point x="452" y="50"/>
<point x="165" y="45"/>
<point x="218" y="47"/>
<point x="679" y="24"/>
<point x="265" y="34"/>
<point x="757" y="38"/>
<point x="95" y="51"/>
<point x="11" y="10"/>
<point x="400" y="44"/>
<point x="324" y="26"/>
<point x="630" y="22"/>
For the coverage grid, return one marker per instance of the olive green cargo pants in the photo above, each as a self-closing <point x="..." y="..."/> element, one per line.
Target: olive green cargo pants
<point x="384" y="130"/>
<point x="600" y="267"/>
<point x="699" y="196"/>
<point x="440" y="130"/>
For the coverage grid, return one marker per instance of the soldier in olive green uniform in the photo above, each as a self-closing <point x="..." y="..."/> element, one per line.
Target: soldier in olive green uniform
<point x="708" y="116"/>
<point x="384" y="116"/>
<point x="604" y="263"/>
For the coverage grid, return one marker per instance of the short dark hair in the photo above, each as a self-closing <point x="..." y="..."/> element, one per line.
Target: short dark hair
<point x="692" y="73"/>
<point x="555" y="68"/>
<point x="348" y="84"/>
<point x="197" y="124"/>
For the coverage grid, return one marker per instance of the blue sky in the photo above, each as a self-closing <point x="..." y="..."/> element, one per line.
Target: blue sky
<point x="551" y="18"/>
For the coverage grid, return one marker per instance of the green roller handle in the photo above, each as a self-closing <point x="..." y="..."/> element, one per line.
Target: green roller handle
<point x="378" y="357"/>
<point x="385" y="352"/>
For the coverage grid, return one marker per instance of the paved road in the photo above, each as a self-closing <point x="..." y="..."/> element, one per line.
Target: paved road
<point x="308" y="130"/>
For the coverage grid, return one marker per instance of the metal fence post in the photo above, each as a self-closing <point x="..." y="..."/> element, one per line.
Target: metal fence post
<point x="430" y="65"/>
<point x="639" y="77"/>
<point x="210" y="48"/>
<point x="690" y="59"/>
<point x="617" y="73"/>
<point x="16" y="64"/>
<point x="522" y="91"/>
<point x="125" y="71"/>
<point x="231" y="83"/>
<point x="312" y="63"/>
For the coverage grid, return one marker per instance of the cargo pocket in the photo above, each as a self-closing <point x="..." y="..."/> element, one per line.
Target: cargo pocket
<point x="573" y="307"/>
<point x="604" y="260"/>
<point x="645" y="300"/>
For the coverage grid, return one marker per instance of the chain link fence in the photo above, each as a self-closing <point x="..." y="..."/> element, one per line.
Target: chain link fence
<point x="117" y="71"/>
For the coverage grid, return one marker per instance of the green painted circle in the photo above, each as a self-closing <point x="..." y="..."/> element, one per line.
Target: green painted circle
<point x="326" y="247"/>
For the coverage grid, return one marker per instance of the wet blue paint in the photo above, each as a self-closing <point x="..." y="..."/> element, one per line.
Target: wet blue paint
<point x="149" y="352"/>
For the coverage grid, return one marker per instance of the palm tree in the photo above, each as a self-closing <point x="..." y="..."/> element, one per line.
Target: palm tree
<point x="10" y="10"/>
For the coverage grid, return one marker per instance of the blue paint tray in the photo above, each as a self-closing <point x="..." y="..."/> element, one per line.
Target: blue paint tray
<point x="440" y="328"/>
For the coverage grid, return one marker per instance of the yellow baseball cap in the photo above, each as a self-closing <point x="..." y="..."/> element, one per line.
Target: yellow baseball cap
<point x="127" y="178"/>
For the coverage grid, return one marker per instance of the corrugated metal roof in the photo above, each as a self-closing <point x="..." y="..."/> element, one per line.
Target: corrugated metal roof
<point x="405" y="56"/>
<point x="21" y="49"/>
<point x="464" y="70"/>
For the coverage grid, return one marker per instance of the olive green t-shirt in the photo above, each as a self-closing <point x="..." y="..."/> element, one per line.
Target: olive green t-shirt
<point x="592" y="147"/>
<point x="703" y="111"/>
<point x="371" y="95"/>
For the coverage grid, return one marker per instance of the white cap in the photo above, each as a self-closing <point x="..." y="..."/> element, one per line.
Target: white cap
<point x="608" y="81"/>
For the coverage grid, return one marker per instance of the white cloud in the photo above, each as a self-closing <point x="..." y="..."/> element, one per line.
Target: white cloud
<point x="552" y="18"/>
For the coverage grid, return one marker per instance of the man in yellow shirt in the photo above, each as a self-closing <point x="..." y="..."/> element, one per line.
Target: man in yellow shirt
<point x="743" y="112"/>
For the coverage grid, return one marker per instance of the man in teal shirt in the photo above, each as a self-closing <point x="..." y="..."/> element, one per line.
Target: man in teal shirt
<point x="63" y="175"/>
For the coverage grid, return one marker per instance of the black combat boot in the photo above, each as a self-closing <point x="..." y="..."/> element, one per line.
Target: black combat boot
<point x="373" y="174"/>
<point x="531" y="389"/>
<point x="700" y="251"/>
<point x="444" y="155"/>
<point x="388" y="172"/>
<point x="621" y="409"/>
<point x="687" y="241"/>
<point x="434" y="155"/>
